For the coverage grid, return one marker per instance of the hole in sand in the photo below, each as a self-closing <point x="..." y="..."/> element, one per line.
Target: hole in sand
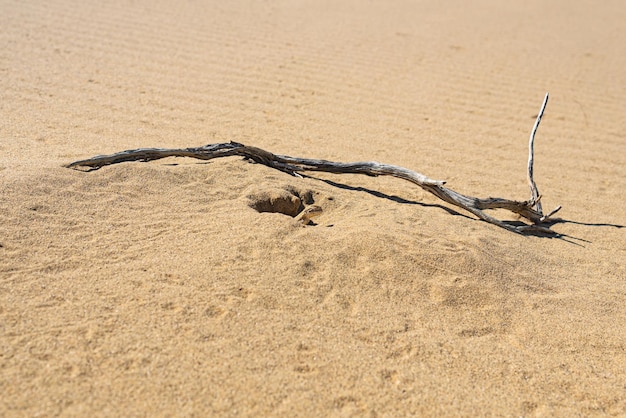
<point x="288" y="201"/>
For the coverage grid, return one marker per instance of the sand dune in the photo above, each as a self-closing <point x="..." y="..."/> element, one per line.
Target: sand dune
<point x="146" y="289"/>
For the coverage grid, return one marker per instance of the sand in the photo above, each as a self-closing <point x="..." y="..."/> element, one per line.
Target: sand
<point x="154" y="289"/>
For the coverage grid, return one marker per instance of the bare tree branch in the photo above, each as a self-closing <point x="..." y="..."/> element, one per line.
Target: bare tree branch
<point x="535" y="196"/>
<point x="534" y="192"/>
<point x="530" y="210"/>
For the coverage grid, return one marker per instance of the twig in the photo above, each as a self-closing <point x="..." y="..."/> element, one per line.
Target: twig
<point x="534" y="192"/>
<point x="530" y="210"/>
<point x="535" y="196"/>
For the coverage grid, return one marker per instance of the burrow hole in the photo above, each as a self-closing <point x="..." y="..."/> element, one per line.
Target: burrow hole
<point x="288" y="201"/>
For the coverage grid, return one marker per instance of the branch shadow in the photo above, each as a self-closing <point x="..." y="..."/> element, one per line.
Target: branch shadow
<point x="597" y="224"/>
<point x="548" y="234"/>
<point x="382" y="195"/>
<point x="537" y="233"/>
<point x="568" y="238"/>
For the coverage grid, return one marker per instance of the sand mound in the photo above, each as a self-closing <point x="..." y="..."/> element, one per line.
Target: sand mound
<point x="180" y="287"/>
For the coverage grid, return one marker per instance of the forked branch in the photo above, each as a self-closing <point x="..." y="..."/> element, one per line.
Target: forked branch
<point x="530" y="209"/>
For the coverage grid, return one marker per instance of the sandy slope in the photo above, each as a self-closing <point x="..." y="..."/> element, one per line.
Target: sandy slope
<point x="154" y="289"/>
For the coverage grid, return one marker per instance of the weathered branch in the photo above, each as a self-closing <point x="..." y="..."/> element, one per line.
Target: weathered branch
<point x="535" y="196"/>
<point x="534" y="192"/>
<point x="530" y="210"/>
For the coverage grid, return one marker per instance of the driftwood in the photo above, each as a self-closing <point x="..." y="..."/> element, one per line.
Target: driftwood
<point x="529" y="209"/>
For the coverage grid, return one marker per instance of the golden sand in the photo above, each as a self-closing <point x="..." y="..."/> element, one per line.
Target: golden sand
<point x="154" y="289"/>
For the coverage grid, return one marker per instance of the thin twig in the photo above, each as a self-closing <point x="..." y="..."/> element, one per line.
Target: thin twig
<point x="534" y="192"/>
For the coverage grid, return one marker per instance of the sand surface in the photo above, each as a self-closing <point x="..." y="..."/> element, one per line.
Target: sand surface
<point x="154" y="289"/>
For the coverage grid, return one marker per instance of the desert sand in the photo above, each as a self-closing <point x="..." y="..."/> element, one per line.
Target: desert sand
<point x="155" y="289"/>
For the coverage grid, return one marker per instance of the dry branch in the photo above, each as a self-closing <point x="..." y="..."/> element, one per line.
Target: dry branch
<point x="530" y="209"/>
<point x="534" y="192"/>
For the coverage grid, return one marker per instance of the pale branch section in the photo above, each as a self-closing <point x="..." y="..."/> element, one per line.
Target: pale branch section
<point x="530" y="210"/>
<point x="534" y="192"/>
